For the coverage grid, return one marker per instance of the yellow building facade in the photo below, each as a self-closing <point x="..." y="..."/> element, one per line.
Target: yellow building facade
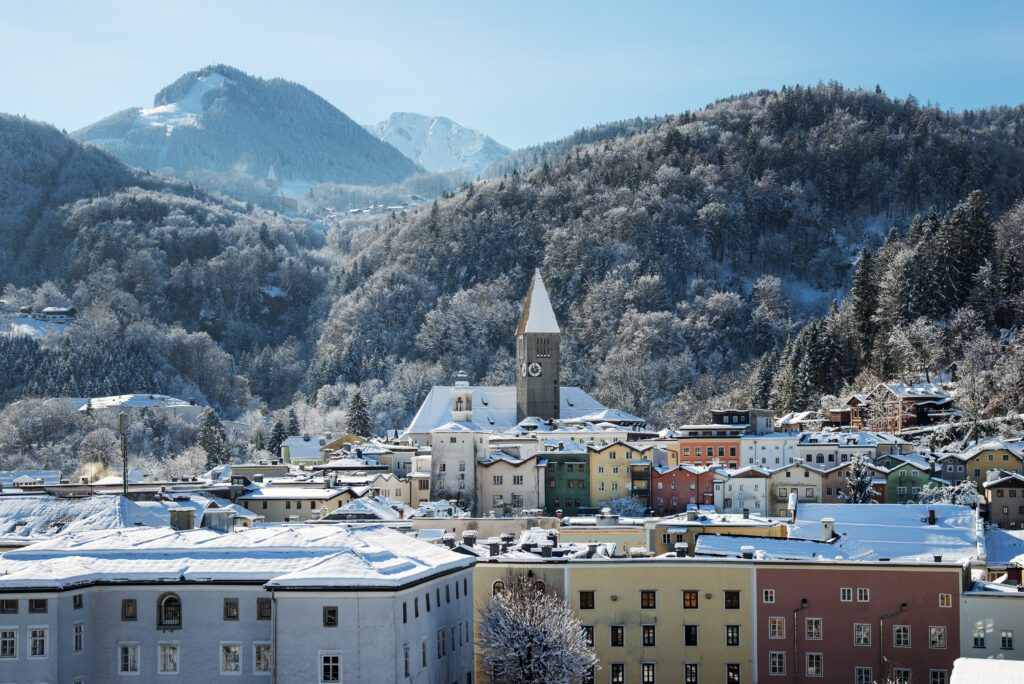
<point x="610" y="476"/>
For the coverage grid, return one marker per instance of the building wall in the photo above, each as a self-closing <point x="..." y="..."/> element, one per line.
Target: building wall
<point x="537" y="397"/>
<point x="453" y="465"/>
<point x="988" y="615"/>
<point x="663" y="536"/>
<point x="734" y="494"/>
<point x="905" y="483"/>
<point x="610" y="476"/>
<point x="557" y="476"/>
<point x="989" y="459"/>
<point x="783" y="481"/>
<point x="282" y="510"/>
<point x="703" y="451"/>
<point x="769" y="451"/>
<point x="888" y="588"/>
<point x="514" y="497"/>
<point x="1006" y="505"/>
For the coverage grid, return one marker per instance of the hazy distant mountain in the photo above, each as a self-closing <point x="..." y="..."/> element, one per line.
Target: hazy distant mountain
<point x="439" y="144"/>
<point x="219" y="125"/>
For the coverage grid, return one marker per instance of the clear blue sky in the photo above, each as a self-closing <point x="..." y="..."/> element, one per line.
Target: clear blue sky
<point x="522" y="71"/>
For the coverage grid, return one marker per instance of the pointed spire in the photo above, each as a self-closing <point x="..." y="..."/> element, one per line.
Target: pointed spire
<point x="538" y="315"/>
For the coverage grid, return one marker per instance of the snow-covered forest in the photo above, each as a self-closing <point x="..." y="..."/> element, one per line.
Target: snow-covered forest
<point x="693" y="261"/>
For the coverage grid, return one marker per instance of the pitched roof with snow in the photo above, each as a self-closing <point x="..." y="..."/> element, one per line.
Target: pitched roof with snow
<point x="26" y="519"/>
<point x="538" y="315"/>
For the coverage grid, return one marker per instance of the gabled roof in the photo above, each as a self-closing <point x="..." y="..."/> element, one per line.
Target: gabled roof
<point x="1007" y="478"/>
<point x="538" y="315"/>
<point x="920" y="390"/>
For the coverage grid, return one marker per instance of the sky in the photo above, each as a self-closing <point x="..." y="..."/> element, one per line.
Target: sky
<point x="523" y="72"/>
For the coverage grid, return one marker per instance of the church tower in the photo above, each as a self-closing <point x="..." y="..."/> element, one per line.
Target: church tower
<point x="537" y="355"/>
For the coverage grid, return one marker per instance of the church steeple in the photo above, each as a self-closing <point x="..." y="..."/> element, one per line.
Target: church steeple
<point x="538" y="339"/>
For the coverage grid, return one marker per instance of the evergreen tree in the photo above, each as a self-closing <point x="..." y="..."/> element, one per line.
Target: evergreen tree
<point x="293" y="423"/>
<point x="864" y="296"/>
<point x="212" y="439"/>
<point x="357" y="417"/>
<point x="278" y="434"/>
<point x="858" y="482"/>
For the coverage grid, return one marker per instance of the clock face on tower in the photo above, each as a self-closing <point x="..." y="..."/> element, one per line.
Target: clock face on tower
<point x="534" y="370"/>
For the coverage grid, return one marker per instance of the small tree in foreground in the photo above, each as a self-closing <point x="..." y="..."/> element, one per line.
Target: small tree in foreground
<point x="528" y="635"/>
<point x="858" y="483"/>
<point x="627" y="507"/>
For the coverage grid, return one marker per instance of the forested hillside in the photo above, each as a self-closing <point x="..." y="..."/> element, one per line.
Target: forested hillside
<point x="665" y="249"/>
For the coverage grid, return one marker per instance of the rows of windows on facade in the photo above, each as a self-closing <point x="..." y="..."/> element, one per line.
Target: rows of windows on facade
<point x="169" y="617"/>
<point x="813" y="630"/>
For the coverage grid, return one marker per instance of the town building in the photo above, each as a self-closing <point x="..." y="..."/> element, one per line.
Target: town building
<point x="567" y="479"/>
<point x="1004" y="499"/>
<point x="745" y="489"/>
<point x="538" y="356"/>
<point x="893" y="406"/>
<point x="712" y="444"/>
<point x="907" y="476"/>
<point x="663" y="534"/>
<point x="769" y="450"/>
<point x="798" y="480"/>
<point x="455" y="449"/>
<point x="677" y="487"/>
<point x="992" y="621"/>
<point x="508" y="485"/>
<point x="993" y="455"/>
<point x="618" y="470"/>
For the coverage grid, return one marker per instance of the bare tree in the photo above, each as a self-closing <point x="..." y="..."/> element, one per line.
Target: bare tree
<point x="529" y="635"/>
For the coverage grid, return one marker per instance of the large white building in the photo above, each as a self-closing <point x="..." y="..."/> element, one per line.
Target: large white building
<point x="285" y="603"/>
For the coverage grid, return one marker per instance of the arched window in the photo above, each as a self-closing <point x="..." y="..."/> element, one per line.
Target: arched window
<point x="497" y="587"/>
<point x="168" y="611"/>
<point x="458" y="404"/>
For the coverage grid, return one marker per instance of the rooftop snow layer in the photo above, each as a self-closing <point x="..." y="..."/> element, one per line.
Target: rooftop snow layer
<point x="538" y="315"/>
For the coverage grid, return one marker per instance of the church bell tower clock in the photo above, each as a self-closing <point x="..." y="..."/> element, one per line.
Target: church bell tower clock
<point x="537" y="355"/>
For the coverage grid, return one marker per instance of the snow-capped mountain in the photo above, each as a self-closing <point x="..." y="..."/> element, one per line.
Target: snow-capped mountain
<point x="439" y="144"/>
<point x="221" y="127"/>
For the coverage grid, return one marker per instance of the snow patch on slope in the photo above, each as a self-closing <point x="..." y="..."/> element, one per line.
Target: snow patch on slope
<point x="439" y="144"/>
<point x="184" y="112"/>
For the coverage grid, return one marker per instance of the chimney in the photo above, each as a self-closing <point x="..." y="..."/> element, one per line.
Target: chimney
<point x="182" y="518"/>
<point x="691" y="515"/>
<point x="746" y="514"/>
<point x="219" y="519"/>
<point x="592" y="549"/>
<point x="828" y="526"/>
<point x="747" y="552"/>
<point x="931" y="516"/>
<point x="937" y="558"/>
<point x="448" y="539"/>
<point x="681" y="548"/>
<point x="559" y="514"/>
<point x="469" y="537"/>
<point x="545" y="549"/>
<point x="494" y="547"/>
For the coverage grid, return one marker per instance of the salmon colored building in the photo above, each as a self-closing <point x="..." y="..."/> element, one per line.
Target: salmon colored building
<point x="673" y="489"/>
<point x="702" y="445"/>
<point x="857" y="622"/>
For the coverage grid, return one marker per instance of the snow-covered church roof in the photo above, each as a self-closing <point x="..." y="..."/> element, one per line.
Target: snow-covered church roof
<point x="493" y="407"/>
<point x="538" y="315"/>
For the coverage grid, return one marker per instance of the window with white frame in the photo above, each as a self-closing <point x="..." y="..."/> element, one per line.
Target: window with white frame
<point x="938" y="677"/>
<point x="901" y="675"/>
<point x="812" y="628"/>
<point x="901" y="636"/>
<point x="768" y="596"/>
<point x="945" y="600"/>
<point x="863" y="594"/>
<point x="330" y="666"/>
<point x="8" y="642"/>
<point x="815" y="665"/>
<point x="78" y="637"/>
<point x="979" y="638"/>
<point x="862" y="675"/>
<point x="777" y="663"/>
<point x="261" y="657"/>
<point x="37" y="642"/>
<point x="167" y="657"/>
<point x="776" y="628"/>
<point x="1006" y="639"/>
<point x="936" y="637"/>
<point x="128" y="659"/>
<point x="862" y="634"/>
<point x="231" y="658"/>
<point x="846" y="594"/>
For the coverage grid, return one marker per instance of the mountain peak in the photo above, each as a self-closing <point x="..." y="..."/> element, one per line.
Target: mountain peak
<point x="439" y="144"/>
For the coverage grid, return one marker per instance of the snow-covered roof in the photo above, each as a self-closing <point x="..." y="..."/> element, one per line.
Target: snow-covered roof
<point x="1015" y="447"/>
<point x="24" y="519"/>
<point x="302" y="448"/>
<point x="896" y="531"/>
<point x="538" y="315"/>
<point x="920" y="390"/>
<point x="457" y="426"/>
<point x="986" y="671"/>
<point x="732" y="546"/>
<point x="494" y="407"/>
<point x="607" y="415"/>
<point x="795" y="418"/>
<point x="366" y="507"/>
<point x="854" y="439"/>
<point x="1015" y="478"/>
<point x="129" y="401"/>
<point x="295" y="492"/>
<point x="282" y="556"/>
<point x="47" y="477"/>
<point x="558" y="446"/>
<point x="1002" y="546"/>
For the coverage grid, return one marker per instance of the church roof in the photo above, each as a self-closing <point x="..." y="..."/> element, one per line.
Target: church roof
<point x="538" y="315"/>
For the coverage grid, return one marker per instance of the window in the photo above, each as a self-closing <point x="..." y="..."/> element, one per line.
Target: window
<point x="618" y="634"/>
<point x="230" y="609"/>
<point x="264" y="608"/>
<point x="9" y="606"/>
<point x="901" y="636"/>
<point x="648" y="635"/>
<point x="901" y="675"/>
<point x="405" y="660"/>
<point x="647" y="673"/>
<point x="945" y="600"/>
<point x="168" y="658"/>
<point x="768" y="596"/>
<point x="77" y="601"/>
<point x="261" y="657"/>
<point x="423" y="653"/>
<point x="618" y="673"/>
<point x="648" y="599"/>
<point x="330" y="666"/>
<point x="937" y="677"/>
<point x="862" y="634"/>
<point x="814" y="665"/>
<point x="129" y="609"/>
<point x="690" y="599"/>
<point x="776" y="628"/>
<point x="732" y="673"/>
<point x="691" y="673"/>
<point x="440" y="644"/>
<point x="812" y="628"/>
<point x="78" y="637"/>
<point x="231" y="658"/>
<point x="1006" y="639"/>
<point x="732" y="600"/>
<point x="517" y="479"/>
<point x="846" y="594"/>
<point x="777" y="663"/>
<point x="936" y="637"/>
<point x="588" y="634"/>
<point x="862" y="675"/>
<point x="169" y="612"/>
<point x="732" y="635"/>
<point x="863" y="594"/>
<point x="8" y="643"/>
<point x="128" y="660"/>
<point x="331" y="614"/>
<point x="37" y="605"/>
<point x="497" y="479"/>
<point x="586" y="600"/>
<point x="979" y="638"/>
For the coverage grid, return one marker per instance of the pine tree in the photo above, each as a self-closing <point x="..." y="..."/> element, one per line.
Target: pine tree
<point x="278" y="434"/>
<point x="357" y="417"/>
<point x="293" y="423"/>
<point x="212" y="439"/>
<point x="864" y="297"/>
<point x="858" y="483"/>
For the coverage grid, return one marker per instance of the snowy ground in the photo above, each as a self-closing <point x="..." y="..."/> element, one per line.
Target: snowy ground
<point x="26" y="325"/>
<point x="185" y="111"/>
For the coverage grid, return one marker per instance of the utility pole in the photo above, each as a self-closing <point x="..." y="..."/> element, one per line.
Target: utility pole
<point x="122" y="423"/>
